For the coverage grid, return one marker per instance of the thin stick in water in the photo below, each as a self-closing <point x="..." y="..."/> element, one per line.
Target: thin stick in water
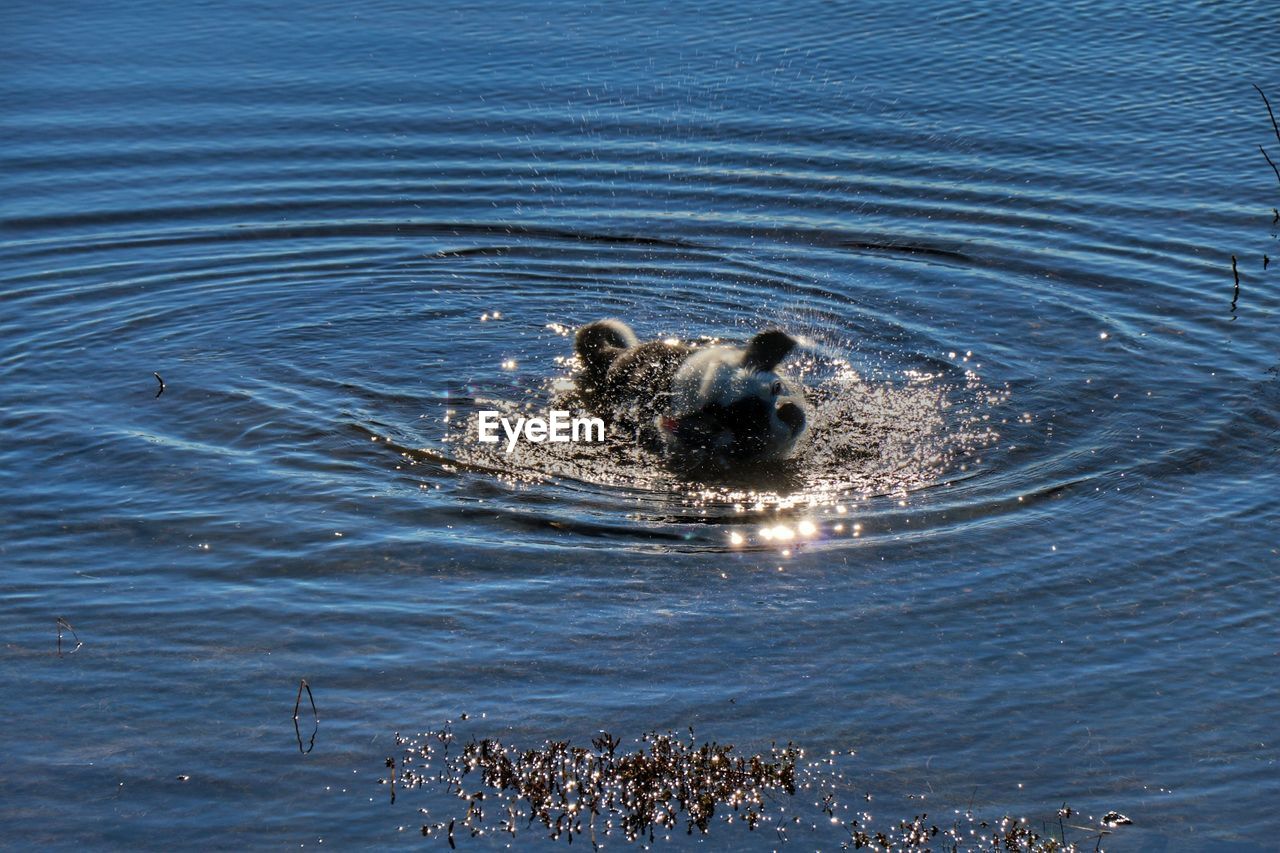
<point x="64" y="625"/>
<point x="1236" y="273"/>
<point x="1274" y="127"/>
<point x="1269" y="162"/>
<point x="161" y="381"/>
<point x="314" y="713"/>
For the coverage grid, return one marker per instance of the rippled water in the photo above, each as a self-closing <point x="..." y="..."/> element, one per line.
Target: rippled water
<point x="1029" y="556"/>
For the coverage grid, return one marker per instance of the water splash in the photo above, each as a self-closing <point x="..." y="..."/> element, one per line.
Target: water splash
<point x="868" y="437"/>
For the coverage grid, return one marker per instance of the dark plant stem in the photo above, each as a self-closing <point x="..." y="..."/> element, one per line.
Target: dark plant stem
<point x="1236" y="274"/>
<point x="63" y="624"/>
<point x="314" y="713"/>
<point x="1275" y="128"/>
<point x="1269" y="162"/>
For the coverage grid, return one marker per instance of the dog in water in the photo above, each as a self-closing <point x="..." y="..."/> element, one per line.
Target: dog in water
<point x="717" y="407"/>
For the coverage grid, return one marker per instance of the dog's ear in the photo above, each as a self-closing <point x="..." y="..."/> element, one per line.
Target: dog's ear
<point x="767" y="349"/>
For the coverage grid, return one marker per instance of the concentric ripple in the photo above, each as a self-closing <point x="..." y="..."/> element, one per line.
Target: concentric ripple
<point x="261" y="268"/>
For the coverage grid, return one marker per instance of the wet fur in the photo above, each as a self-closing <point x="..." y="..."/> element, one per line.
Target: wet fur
<point x="720" y="406"/>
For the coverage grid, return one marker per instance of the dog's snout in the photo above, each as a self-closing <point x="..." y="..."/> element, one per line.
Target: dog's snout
<point x="791" y="415"/>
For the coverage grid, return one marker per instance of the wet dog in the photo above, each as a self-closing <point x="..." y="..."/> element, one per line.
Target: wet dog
<point x="717" y="406"/>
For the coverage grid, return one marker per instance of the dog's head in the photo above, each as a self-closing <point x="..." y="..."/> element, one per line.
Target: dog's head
<point x="731" y="406"/>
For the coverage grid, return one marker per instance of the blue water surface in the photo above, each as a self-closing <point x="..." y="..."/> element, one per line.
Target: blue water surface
<point x="1030" y="555"/>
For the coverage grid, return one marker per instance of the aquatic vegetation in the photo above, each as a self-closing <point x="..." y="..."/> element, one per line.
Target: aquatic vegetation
<point x="672" y="783"/>
<point x="573" y="790"/>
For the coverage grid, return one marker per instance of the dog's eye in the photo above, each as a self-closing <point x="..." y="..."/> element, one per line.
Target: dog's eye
<point x="777" y="388"/>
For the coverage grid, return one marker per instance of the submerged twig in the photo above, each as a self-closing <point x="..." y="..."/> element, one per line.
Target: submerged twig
<point x="1274" y="127"/>
<point x="1236" y="273"/>
<point x="161" y="381"/>
<point x="314" y="713"/>
<point x="1269" y="162"/>
<point x="63" y="624"/>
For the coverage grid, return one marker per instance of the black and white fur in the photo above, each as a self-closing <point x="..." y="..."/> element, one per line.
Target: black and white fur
<point x="721" y="406"/>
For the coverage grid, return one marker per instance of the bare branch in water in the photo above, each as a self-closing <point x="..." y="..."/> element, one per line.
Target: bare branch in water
<point x="64" y="625"/>
<point x="314" y="713"/>
<point x="1236" y="273"/>
<point x="1274" y="127"/>
<point x="161" y="381"/>
<point x="1269" y="162"/>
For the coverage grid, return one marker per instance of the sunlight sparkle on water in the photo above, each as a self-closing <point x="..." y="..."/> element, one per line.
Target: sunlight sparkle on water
<point x="912" y="428"/>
